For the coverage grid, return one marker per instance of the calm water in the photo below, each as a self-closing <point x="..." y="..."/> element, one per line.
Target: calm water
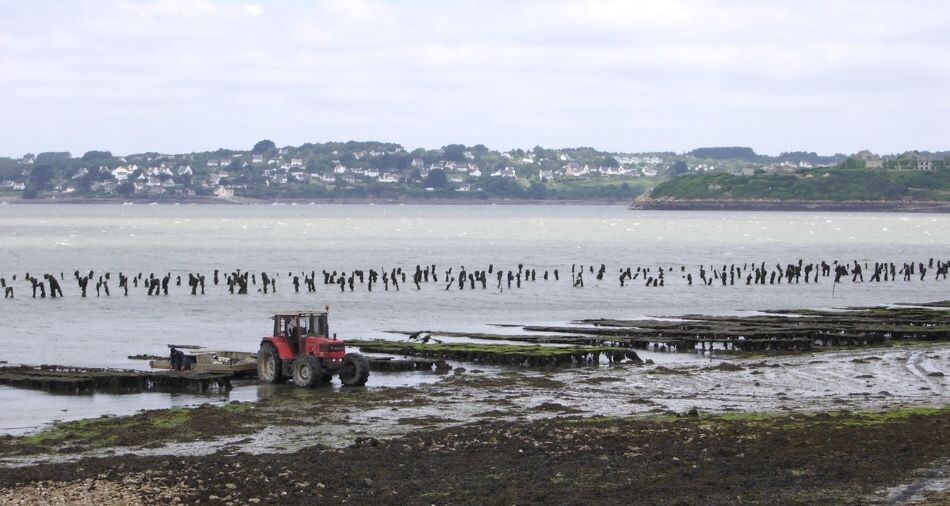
<point x="283" y="238"/>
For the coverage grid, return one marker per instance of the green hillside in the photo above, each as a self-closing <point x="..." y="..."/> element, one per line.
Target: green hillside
<point x="837" y="184"/>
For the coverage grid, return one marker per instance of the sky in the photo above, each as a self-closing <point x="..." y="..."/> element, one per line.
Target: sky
<point x="177" y="76"/>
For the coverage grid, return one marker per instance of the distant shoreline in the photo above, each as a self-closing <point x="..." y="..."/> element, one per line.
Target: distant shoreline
<point x="638" y="205"/>
<point x="304" y="201"/>
<point x="792" y="205"/>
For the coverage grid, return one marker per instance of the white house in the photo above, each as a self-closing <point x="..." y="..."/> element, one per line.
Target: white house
<point x="574" y="169"/>
<point x="121" y="173"/>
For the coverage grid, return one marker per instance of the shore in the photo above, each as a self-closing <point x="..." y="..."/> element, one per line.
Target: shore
<point x="791" y="205"/>
<point x="158" y="199"/>
<point x="638" y="205"/>
<point x="854" y="426"/>
<point x="829" y="458"/>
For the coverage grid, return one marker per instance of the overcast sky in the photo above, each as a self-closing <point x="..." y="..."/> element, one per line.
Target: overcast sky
<point x="183" y="75"/>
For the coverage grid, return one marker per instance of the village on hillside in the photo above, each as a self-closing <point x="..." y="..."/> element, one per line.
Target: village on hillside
<point x="386" y="170"/>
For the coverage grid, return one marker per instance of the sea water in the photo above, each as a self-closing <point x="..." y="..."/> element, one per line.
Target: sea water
<point x="283" y="239"/>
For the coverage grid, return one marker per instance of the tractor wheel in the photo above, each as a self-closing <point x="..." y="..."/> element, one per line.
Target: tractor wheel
<point x="355" y="370"/>
<point x="307" y="371"/>
<point x="268" y="365"/>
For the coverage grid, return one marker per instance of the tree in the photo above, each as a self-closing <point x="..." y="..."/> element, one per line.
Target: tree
<point x="454" y="152"/>
<point x="96" y="155"/>
<point x="59" y="159"/>
<point x="725" y="153"/>
<point x="679" y="168"/>
<point x="436" y="179"/>
<point x="126" y="188"/>
<point x="852" y="163"/>
<point x="610" y="161"/>
<point x="41" y="175"/>
<point x="536" y="190"/>
<point x="263" y="147"/>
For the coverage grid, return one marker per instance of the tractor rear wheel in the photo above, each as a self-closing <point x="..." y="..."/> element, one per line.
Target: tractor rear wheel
<point x="268" y="365"/>
<point x="355" y="370"/>
<point x="307" y="371"/>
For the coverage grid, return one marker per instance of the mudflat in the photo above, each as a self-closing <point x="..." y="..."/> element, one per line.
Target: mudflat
<point x="828" y="458"/>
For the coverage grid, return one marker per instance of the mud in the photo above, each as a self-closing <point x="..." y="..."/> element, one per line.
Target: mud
<point x="834" y="458"/>
<point x="702" y="430"/>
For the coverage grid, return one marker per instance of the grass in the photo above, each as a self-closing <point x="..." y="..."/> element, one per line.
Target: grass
<point x="176" y="424"/>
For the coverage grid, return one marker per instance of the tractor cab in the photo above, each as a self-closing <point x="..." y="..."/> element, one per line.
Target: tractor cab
<point x="301" y="348"/>
<point x="296" y="329"/>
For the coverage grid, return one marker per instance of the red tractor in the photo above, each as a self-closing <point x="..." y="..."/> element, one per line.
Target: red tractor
<point x="301" y="349"/>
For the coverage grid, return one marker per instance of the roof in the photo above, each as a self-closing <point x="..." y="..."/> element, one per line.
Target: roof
<point x="300" y="313"/>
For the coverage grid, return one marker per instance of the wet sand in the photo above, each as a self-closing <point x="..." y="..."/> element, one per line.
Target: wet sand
<point x="787" y="428"/>
<point x="839" y="458"/>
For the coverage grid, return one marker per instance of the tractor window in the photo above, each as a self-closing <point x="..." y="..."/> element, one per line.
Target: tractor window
<point x="291" y="325"/>
<point x="321" y="325"/>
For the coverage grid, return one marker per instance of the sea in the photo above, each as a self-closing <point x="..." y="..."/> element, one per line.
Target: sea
<point x="285" y="240"/>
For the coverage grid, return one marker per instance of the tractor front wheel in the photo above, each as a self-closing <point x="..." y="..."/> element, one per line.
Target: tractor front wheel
<point x="355" y="370"/>
<point x="268" y="365"/>
<point x="307" y="371"/>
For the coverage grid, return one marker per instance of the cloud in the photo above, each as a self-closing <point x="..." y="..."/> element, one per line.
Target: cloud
<point x="177" y="75"/>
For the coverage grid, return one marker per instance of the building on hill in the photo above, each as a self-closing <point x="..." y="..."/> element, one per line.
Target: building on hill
<point x="924" y="163"/>
<point x="574" y="169"/>
<point x="871" y="161"/>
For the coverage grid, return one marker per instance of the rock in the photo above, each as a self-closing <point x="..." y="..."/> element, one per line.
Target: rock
<point x="362" y="442"/>
<point x="231" y="486"/>
<point x="693" y="412"/>
<point x="254" y="500"/>
<point x="936" y="374"/>
<point x="368" y="482"/>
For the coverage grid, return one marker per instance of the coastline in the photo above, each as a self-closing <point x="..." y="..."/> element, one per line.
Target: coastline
<point x="637" y="205"/>
<point x="304" y="201"/>
<point x="792" y="205"/>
